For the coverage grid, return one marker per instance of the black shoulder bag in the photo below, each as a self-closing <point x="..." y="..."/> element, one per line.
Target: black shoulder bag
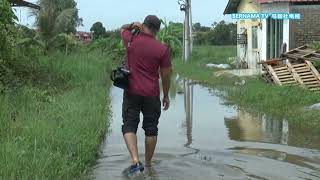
<point x="120" y="75"/>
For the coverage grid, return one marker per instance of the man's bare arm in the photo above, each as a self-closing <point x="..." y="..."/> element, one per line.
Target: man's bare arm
<point x="166" y="78"/>
<point x="126" y="27"/>
<point x="130" y="26"/>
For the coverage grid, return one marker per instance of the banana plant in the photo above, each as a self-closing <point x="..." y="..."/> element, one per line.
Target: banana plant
<point x="166" y="35"/>
<point x="65" y="40"/>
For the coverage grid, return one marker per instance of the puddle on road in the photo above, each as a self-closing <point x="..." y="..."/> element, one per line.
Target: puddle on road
<point x="201" y="138"/>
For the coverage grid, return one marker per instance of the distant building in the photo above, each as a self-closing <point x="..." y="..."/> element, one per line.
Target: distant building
<point x="263" y="39"/>
<point x="84" y="36"/>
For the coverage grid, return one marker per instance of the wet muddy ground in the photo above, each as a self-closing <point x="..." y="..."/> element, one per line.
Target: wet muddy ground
<point x="201" y="137"/>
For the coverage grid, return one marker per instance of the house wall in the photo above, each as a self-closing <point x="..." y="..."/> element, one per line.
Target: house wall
<point x="245" y="52"/>
<point x="307" y="29"/>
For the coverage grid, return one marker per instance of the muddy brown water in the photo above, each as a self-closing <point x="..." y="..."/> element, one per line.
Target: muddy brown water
<point x="202" y="138"/>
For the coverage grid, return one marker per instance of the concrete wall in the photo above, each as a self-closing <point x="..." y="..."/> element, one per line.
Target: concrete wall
<point x="307" y="29"/>
<point x="246" y="53"/>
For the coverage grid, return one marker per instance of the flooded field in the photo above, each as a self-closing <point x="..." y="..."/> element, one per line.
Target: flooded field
<point x="201" y="137"/>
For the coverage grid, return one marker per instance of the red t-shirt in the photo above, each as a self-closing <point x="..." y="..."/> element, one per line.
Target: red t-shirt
<point x="145" y="57"/>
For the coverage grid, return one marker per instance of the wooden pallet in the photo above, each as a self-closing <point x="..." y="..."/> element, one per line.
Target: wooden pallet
<point x="302" y="53"/>
<point x="304" y="74"/>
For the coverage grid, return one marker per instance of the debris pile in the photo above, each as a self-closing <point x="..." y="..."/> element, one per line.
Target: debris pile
<point x="294" y="68"/>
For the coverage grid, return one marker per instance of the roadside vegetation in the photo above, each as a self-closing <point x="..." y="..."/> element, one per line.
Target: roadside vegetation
<point x="54" y="95"/>
<point x="52" y="128"/>
<point x="255" y="94"/>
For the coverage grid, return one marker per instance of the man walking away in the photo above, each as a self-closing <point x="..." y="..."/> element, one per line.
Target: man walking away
<point x="146" y="57"/>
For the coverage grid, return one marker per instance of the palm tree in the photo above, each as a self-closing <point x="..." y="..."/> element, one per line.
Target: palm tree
<point x="65" y="40"/>
<point x="56" y="17"/>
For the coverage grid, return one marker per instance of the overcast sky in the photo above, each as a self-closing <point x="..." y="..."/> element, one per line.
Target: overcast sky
<point x="114" y="13"/>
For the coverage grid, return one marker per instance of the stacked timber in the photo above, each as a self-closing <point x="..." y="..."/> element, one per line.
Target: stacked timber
<point x="294" y="68"/>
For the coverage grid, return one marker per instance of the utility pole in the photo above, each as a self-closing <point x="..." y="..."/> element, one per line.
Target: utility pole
<point x="185" y="5"/>
<point x="191" y="26"/>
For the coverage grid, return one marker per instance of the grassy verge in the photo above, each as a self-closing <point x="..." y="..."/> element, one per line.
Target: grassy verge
<point x="256" y="95"/>
<point x="52" y="128"/>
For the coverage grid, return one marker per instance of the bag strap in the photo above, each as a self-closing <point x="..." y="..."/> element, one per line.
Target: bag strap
<point x="133" y="33"/>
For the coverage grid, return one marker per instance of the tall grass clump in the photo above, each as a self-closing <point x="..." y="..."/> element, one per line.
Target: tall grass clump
<point x="52" y="130"/>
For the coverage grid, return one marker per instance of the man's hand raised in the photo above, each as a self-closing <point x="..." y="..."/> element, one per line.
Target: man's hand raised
<point x="137" y="25"/>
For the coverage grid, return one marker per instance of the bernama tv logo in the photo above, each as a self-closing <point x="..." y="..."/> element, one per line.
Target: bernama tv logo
<point x="285" y="16"/>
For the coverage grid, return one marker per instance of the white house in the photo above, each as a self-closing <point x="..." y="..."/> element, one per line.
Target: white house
<point x="263" y="39"/>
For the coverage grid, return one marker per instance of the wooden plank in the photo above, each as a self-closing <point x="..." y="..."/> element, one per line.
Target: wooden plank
<point x="274" y="75"/>
<point x="299" y="65"/>
<point x="306" y="77"/>
<point x="315" y="85"/>
<point x="313" y="69"/>
<point x="289" y="82"/>
<point x="284" y="73"/>
<point x="282" y="77"/>
<point x="301" y="68"/>
<point x="295" y="74"/>
<point x="310" y="79"/>
<point x="306" y="52"/>
<point x="302" y="71"/>
<point x="307" y="73"/>
<point x="291" y="56"/>
<point x="281" y="68"/>
<point x="312" y="82"/>
<point x="286" y="79"/>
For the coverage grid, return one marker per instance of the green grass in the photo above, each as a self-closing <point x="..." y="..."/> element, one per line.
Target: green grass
<point x="53" y="127"/>
<point x="255" y="95"/>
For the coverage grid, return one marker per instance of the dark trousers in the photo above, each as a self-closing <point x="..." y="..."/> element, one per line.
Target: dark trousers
<point x="132" y="106"/>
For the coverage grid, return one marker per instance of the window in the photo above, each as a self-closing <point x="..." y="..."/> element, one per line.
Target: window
<point x="254" y="37"/>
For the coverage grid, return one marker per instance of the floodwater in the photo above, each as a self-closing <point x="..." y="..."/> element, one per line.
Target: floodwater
<point x="203" y="138"/>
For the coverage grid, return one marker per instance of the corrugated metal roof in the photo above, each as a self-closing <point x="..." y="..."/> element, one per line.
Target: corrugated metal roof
<point x="232" y="6"/>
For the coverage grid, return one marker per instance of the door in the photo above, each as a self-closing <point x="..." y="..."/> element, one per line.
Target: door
<point x="274" y="37"/>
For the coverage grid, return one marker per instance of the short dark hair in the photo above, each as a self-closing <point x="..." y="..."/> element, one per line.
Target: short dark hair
<point x="153" y="23"/>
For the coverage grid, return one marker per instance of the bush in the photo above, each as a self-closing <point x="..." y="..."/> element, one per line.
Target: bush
<point x="7" y="31"/>
<point x="316" y="45"/>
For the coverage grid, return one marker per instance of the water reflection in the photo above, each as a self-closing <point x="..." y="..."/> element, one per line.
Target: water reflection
<point x="184" y="86"/>
<point x="176" y="86"/>
<point x="188" y="106"/>
<point x="197" y="141"/>
<point x="257" y="128"/>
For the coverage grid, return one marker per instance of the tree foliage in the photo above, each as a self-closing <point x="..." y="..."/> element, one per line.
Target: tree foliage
<point x="7" y="30"/>
<point x="221" y="33"/>
<point x="55" y="17"/>
<point x="99" y="31"/>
